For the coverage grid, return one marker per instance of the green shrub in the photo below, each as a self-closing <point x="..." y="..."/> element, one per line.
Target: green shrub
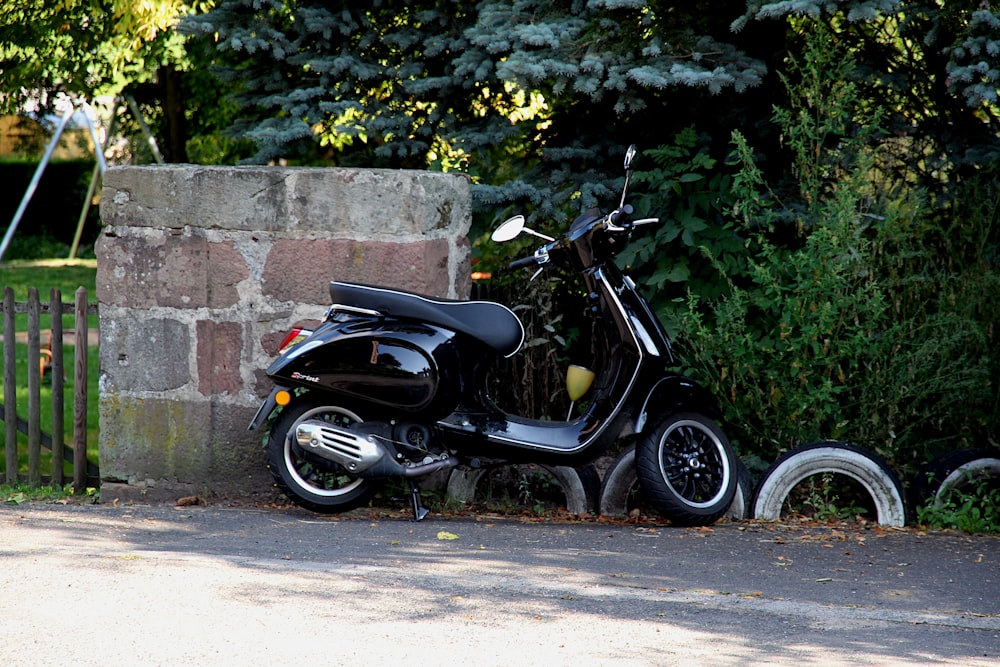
<point x="972" y="508"/>
<point x="846" y="305"/>
<point x="690" y="194"/>
<point x="789" y="344"/>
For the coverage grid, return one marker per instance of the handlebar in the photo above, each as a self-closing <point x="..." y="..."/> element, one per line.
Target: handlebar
<point x="620" y="213"/>
<point x="523" y="262"/>
<point x="616" y="222"/>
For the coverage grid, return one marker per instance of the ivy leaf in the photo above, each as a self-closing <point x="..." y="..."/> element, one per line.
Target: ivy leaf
<point x="695" y="225"/>
<point x="668" y="233"/>
<point x="678" y="273"/>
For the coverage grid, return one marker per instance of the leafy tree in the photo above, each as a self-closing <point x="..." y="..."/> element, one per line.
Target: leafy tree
<point x="86" y="49"/>
<point x="80" y="48"/>
<point x="532" y="98"/>
<point x="932" y="68"/>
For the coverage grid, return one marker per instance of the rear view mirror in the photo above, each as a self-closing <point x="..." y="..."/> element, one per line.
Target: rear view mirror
<point x="629" y="156"/>
<point x="510" y="229"/>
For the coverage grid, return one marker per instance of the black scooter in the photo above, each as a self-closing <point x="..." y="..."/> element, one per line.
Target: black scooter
<point x="393" y="384"/>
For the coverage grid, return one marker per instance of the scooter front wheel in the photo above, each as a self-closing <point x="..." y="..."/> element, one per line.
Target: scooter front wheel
<point x="316" y="485"/>
<point x="687" y="469"/>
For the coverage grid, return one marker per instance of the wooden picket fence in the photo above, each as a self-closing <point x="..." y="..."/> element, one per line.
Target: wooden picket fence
<point x="47" y="357"/>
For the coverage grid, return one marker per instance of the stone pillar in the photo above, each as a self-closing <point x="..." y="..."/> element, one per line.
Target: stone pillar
<point x="202" y="271"/>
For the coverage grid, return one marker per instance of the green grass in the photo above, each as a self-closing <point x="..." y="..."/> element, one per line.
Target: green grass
<point x="19" y="494"/>
<point x="66" y="276"/>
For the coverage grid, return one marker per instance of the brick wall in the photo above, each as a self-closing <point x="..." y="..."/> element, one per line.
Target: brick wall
<point x="202" y="270"/>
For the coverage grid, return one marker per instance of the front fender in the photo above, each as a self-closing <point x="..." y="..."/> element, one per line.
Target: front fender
<point x="676" y="393"/>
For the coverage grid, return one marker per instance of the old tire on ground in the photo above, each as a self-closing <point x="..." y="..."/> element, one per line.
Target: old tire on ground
<point x="580" y="486"/>
<point x="866" y="467"/>
<point x="955" y="471"/>
<point x="686" y="469"/>
<point x="620" y="482"/>
<point x="590" y="479"/>
<point x="741" y="507"/>
<point x="316" y="485"/>
<point x="618" y="485"/>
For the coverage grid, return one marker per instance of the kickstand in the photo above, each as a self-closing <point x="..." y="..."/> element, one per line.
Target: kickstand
<point x="419" y="511"/>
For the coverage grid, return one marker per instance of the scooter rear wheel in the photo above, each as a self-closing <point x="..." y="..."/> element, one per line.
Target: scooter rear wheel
<point x="687" y="469"/>
<point x="318" y="486"/>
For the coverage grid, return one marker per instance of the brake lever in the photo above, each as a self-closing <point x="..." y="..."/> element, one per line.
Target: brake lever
<point x="542" y="257"/>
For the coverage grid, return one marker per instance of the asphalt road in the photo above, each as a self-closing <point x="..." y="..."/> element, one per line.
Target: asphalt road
<point x="158" y="585"/>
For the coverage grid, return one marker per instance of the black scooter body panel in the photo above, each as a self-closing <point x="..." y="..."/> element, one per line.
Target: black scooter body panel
<point x="409" y="367"/>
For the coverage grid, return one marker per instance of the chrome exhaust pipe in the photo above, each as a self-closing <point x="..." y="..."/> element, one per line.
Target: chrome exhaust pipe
<point x="354" y="452"/>
<point x="359" y="454"/>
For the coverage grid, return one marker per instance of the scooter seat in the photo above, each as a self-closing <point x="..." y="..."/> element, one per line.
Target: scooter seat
<point x="491" y="323"/>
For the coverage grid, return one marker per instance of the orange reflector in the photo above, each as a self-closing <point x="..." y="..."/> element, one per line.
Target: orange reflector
<point x="282" y="398"/>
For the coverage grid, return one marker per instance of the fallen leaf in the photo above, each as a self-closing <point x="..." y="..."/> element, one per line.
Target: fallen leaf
<point x="445" y="535"/>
